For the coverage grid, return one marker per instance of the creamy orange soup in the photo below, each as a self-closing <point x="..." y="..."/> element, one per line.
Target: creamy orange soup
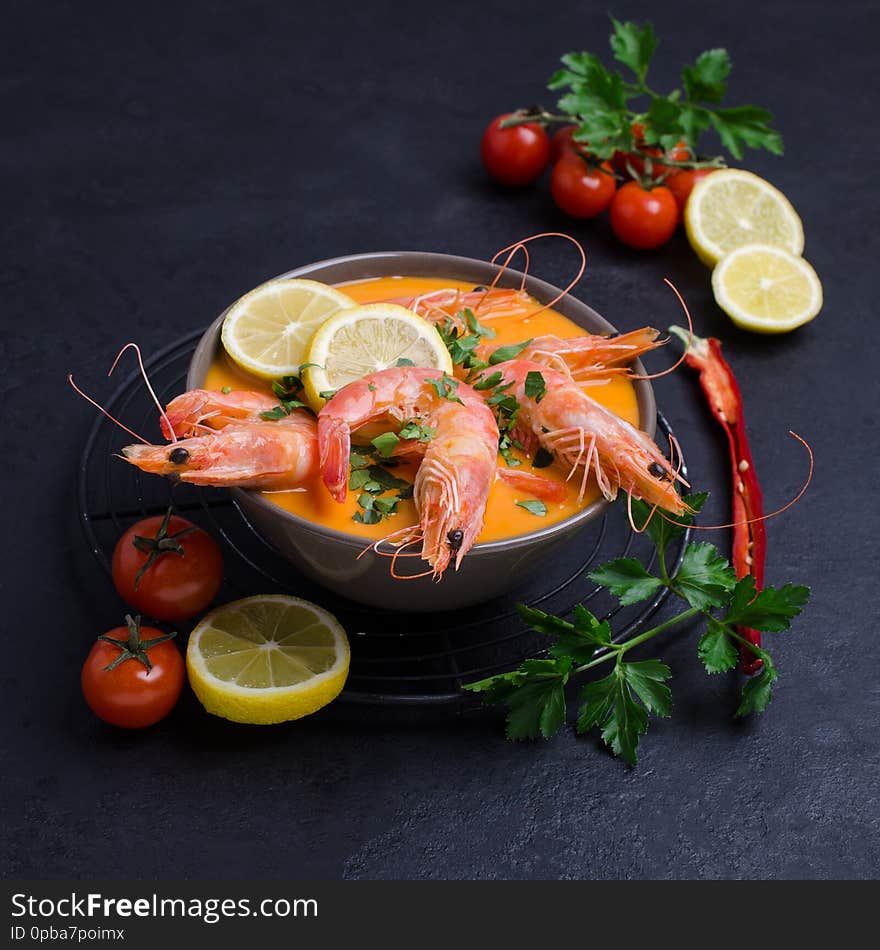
<point x="504" y="519"/>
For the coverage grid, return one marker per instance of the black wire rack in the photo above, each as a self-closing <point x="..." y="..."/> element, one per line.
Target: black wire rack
<point x="400" y="661"/>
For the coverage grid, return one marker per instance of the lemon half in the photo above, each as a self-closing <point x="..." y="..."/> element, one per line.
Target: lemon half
<point x="267" y="659"/>
<point x="367" y="339"/>
<point x="731" y="208"/>
<point x="267" y="331"/>
<point x="766" y="289"/>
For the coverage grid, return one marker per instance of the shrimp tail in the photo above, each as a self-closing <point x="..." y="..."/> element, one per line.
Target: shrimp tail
<point x="547" y="489"/>
<point x="334" y="442"/>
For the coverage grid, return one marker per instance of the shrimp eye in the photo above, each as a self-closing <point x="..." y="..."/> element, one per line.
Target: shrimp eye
<point x="480" y="289"/>
<point x="657" y="470"/>
<point x="455" y="538"/>
<point x="178" y="456"/>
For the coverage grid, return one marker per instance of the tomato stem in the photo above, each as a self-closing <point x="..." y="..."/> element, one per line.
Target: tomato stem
<point x="134" y="648"/>
<point x="161" y="543"/>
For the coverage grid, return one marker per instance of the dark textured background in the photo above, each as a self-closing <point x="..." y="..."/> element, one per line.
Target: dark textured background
<point x="157" y="161"/>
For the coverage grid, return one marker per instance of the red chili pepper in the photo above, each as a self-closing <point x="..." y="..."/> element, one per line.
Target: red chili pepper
<point x="749" y="537"/>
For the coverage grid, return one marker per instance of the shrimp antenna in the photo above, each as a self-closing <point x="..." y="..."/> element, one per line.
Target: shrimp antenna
<point x="102" y="410"/>
<point x="511" y="250"/>
<point x="773" y="514"/>
<point x="683" y="356"/>
<point x="137" y="349"/>
<point x="734" y="524"/>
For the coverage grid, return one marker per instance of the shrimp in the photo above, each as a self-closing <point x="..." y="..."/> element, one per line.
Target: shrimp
<point x="438" y="306"/>
<point x="457" y="470"/>
<point x="198" y="410"/>
<point x="238" y="447"/>
<point x="585" y="358"/>
<point x="581" y="432"/>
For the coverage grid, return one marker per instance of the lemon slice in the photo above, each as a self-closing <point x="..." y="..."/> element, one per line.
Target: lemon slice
<point x="766" y="289"/>
<point x="268" y="330"/>
<point x="267" y="659"/>
<point x="363" y="340"/>
<point x="730" y="208"/>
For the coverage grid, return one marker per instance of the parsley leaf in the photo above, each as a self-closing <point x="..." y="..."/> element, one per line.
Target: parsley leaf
<point x="509" y="352"/>
<point x="609" y="704"/>
<point x="597" y="701"/>
<point x="284" y="410"/>
<point x="534" y="693"/>
<point x="358" y="459"/>
<point x="535" y="387"/>
<point x="706" y="80"/>
<point x="445" y="388"/>
<point x="716" y="649"/>
<point x="756" y="693"/>
<point x="288" y="387"/>
<point x="627" y="579"/>
<point x="403" y="361"/>
<point x="647" y="679"/>
<point x="327" y="394"/>
<point x="705" y="577"/>
<point x="534" y="507"/>
<point x="414" y="429"/>
<point x="746" y="125"/>
<point x="386" y="443"/>
<point x="633" y="45"/>
<point x="489" y="382"/>
<point x="577" y="639"/>
<point x="770" y="611"/>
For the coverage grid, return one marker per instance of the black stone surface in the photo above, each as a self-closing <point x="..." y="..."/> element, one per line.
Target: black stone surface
<point x="158" y="160"/>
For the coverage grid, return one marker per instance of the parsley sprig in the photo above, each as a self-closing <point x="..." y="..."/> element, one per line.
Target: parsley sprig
<point x="605" y="104"/>
<point x="620" y="704"/>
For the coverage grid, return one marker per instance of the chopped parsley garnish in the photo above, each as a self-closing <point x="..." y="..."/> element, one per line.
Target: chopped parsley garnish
<point x="285" y="409"/>
<point x="535" y="507"/>
<point x="488" y="382"/>
<point x="288" y="389"/>
<point x="385" y="444"/>
<point x="414" y="429"/>
<point x="373" y="480"/>
<point x="509" y="352"/>
<point x="462" y="334"/>
<point x="535" y="387"/>
<point x="403" y="361"/>
<point x="226" y="390"/>
<point x="506" y="408"/>
<point x="327" y="394"/>
<point x="445" y="387"/>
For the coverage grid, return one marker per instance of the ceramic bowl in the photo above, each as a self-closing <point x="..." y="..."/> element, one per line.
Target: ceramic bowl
<point x="331" y="557"/>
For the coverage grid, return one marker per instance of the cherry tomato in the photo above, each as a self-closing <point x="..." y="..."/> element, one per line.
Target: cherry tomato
<point x="681" y="183"/>
<point x="167" y="567"/>
<point x="133" y="675"/>
<point x="644" y="219"/>
<point x="580" y="190"/>
<point x="681" y="152"/>
<point x="517" y="155"/>
<point x="561" y="142"/>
